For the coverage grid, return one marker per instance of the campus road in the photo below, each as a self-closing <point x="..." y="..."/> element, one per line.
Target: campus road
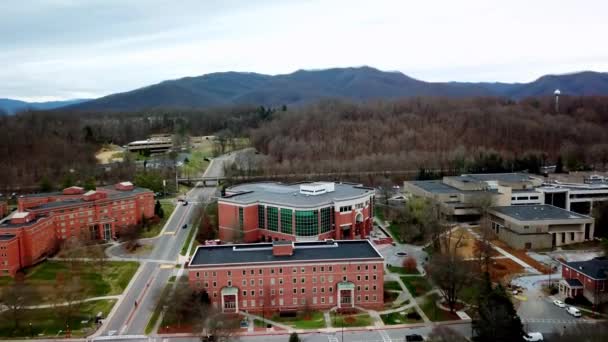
<point x="131" y="319"/>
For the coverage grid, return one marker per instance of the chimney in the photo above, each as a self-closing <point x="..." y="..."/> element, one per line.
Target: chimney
<point x="282" y="248"/>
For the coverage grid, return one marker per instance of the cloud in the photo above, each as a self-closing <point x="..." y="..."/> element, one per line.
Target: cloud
<point x="62" y="49"/>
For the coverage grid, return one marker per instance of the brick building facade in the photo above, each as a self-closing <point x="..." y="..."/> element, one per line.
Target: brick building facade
<point x="44" y="220"/>
<point x="585" y="278"/>
<point x="287" y="276"/>
<point x="295" y="212"/>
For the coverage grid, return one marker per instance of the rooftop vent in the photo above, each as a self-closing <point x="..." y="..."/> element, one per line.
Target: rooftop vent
<point x="317" y="188"/>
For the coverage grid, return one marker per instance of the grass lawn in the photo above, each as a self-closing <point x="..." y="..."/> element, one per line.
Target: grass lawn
<point x="259" y="324"/>
<point x="402" y="270"/>
<point x="416" y="285"/>
<point x="155" y="229"/>
<point x="400" y="317"/>
<point x="379" y="212"/>
<point x="315" y="321"/>
<point x="48" y="323"/>
<point x="111" y="281"/>
<point x="356" y="320"/>
<point x="392" y="285"/>
<point x="395" y="231"/>
<point x="433" y="312"/>
<point x="193" y="228"/>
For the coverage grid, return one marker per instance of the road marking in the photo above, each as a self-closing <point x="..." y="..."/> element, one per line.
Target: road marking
<point x="332" y="338"/>
<point x="384" y="335"/>
<point x="167" y="266"/>
<point x="561" y="321"/>
<point x="169" y="233"/>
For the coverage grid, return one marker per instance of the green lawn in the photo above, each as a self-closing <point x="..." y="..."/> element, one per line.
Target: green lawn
<point x="402" y="270"/>
<point x="155" y="229"/>
<point x="400" y="318"/>
<point x="356" y="320"/>
<point x="379" y="212"/>
<point x="416" y="285"/>
<point x="193" y="228"/>
<point x="395" y="231"/>
<point x="392" y="285"/>
<point x="48" y="323"/>
<point x="315" y="321"/>
<point x="433" y="312"/>
<point x="111" y="281"/>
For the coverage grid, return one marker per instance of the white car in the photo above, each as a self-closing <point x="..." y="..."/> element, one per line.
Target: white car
<point x="573" y="311"/>
<point x="534" y="336"/>
<point x="559" y="303"/>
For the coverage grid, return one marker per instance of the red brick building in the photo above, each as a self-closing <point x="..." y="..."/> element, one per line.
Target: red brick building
<point x="585" y="278"/>
<point x="287" y="276"/>
<point x="44" y="220"/>
<point x="295" y="212"/>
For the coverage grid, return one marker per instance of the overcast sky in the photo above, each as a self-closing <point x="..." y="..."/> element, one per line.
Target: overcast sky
<point x="60" y="49"/>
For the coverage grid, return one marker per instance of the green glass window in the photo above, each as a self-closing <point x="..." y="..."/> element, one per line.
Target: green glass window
<point x="273" y="218"/>
<point x="240" y="218"/>
<point x="325" y="220"/>
<point x="307" y="222"/>
<point x="286" y="221"/>
<point x="262" y="216"/>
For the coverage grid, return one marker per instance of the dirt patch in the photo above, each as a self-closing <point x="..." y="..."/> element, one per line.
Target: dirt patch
<point x="466" y="247"/>
<point x="109" y="154"/>
<point x="503" y="269"/>
<point x="520" y="254"/>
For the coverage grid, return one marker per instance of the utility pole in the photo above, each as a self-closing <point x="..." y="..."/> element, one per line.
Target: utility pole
<point x="557" y="92"/>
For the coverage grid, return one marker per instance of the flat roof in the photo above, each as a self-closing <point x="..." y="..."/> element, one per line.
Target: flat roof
<point x="6" y="237"/>
<point x="436" y="186"/>
<point x="289" y="194"/>
<point x="512" y="177"/>
<point x="303" y="251"/>
<point x="6" y="223"/>
<point x="113" y="194"/>
<point x="538" y="212"/>
<point x="595" y="268"/>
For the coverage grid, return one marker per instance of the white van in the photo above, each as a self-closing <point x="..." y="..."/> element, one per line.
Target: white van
<point x="574" y="311"/>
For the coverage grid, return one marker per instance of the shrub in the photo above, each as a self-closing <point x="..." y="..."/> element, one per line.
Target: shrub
<point x="410" y="264"/>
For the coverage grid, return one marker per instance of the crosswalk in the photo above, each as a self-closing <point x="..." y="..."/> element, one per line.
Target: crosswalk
<point x="332" y="339"/>
<point x="385" y="336"/>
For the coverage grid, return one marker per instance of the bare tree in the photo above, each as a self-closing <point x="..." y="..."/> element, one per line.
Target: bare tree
<point x="483" y="249"/>
<point x="210" y="321"/>
<point x="69" y="294"/>
<point x="16" y="297"/>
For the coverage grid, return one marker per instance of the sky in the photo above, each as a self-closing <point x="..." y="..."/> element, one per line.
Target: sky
<point x="64" y="49"/>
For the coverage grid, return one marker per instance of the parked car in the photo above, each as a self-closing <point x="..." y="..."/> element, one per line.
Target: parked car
<point x="185" y="226"/>
<point x="413" y="337"/>
<point x="559" y="303"/>
<point x="185" y="203"/>
<point x="574" y="311"/>
<point x="534" y="336"/>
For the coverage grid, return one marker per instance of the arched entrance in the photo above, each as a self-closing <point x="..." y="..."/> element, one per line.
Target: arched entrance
<point x="359" y="226"/>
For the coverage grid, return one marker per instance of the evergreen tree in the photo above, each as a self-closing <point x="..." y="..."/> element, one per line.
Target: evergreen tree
<point x="45" y="184"/>
<point x="158" y="209"/>
<point x="559" y="166"/>
<point x="294" y="337"/>
<point x="68" y="180"/>
<point x="89" y="184"/>
<point x="497" y="319"/>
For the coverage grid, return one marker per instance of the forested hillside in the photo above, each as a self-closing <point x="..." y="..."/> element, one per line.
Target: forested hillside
<point x="455" y="135"/>
<point x="481" y="135"/>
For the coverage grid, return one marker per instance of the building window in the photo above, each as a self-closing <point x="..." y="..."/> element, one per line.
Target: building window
<point x="307" y="222"/>
<point x="262" y="216"/>
<point x="273" y="219"/>
<point x="302" y="270"/>
<point x="229" y="273"/>
<point x="240" y="218"/>
<point x="572" y="236"/>
<point x="286" y="221"/>
<point x="325" y="219"/>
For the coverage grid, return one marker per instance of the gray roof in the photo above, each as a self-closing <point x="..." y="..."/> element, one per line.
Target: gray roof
<point x="289" y="194"/>
<point x="113" y="194"/>
<point x="436" y="186"/>
<point x="574" y="282"/>
<point x="6" y="223"/>
<point x="303" y="251"/>
<point x="540" y="212"/>
<point x="5" y="237"/>
<point x="504" y="177"/>
<point x="595" y="268"/>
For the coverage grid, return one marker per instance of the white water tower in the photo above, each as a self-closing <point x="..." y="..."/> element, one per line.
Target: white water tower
<point x="557" y="93"/>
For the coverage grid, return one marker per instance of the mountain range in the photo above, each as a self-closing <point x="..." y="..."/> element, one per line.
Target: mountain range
<point x="10" y="106"/>
<point x="304" y="86"/>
